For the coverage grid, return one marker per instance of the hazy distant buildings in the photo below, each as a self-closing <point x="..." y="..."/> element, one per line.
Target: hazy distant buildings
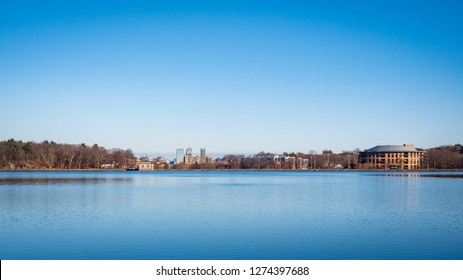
<point x="189" y="159"/>
<point x="203" y="152"/>
<point x="404" y="157"/>
<point x="179" y="155"/>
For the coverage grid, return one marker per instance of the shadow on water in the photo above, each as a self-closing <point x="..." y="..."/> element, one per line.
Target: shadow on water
<point x="60" y="181"/>
<point x="454" y="176"/>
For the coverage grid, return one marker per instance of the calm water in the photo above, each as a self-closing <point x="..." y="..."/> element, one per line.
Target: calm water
<point x="230" y="215"/>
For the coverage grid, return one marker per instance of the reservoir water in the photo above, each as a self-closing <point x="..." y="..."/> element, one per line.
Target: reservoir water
<point x="231" y="215"/>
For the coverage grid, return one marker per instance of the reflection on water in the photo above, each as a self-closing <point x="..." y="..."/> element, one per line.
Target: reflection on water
<point x="430" y="175"/>
<point x="59" y="181"/>
<point x="230" y="215"/>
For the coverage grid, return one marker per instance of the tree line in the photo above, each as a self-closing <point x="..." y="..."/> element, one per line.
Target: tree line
<point x="50" y="155"/>
<point x="289" y="161"/>
<point x="445" y="157"/>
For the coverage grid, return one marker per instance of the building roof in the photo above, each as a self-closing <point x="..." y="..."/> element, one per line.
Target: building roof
<point x="391" y="149"/>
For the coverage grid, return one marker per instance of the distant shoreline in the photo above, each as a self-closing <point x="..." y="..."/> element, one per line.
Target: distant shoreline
<point x="232" y="170"/>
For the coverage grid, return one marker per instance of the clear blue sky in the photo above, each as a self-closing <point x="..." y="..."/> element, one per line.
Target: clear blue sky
<point x="234" y="76"/>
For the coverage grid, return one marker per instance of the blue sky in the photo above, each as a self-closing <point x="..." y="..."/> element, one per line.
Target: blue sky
<point x="234" y="76"/>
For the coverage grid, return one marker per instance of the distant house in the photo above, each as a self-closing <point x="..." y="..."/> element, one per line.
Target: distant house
<point x="338" y="166"/>
<point x="145" y="166"/>
<point x="284" y="161"/>
<point x="402" y="157"/>
<point x="107" y="166"/>
<point x="161" y="160"/>
<point x="303" y="163"/>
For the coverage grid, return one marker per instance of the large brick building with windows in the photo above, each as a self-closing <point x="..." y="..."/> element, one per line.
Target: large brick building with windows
<point x="403" y="157"/>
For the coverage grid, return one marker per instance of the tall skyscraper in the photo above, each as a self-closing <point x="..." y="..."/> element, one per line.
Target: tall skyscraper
<point x="189" y="151"/>
<point x="203" y="152"/>
<point x="179" y="156"/>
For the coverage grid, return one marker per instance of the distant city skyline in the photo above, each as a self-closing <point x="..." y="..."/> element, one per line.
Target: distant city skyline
<point x="237" y="77"/>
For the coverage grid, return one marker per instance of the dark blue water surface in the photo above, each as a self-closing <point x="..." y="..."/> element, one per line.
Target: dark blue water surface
<point x="230" y="215"/>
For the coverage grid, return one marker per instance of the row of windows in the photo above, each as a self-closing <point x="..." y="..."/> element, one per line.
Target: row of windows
<point x="394" y="155"/>
<point x="393" y="161"/>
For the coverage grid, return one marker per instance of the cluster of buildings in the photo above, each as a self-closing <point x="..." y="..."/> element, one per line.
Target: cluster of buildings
<point x="182" y="156"/>
<point x="279" y="161"/>
<point x="148" y="165"/>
